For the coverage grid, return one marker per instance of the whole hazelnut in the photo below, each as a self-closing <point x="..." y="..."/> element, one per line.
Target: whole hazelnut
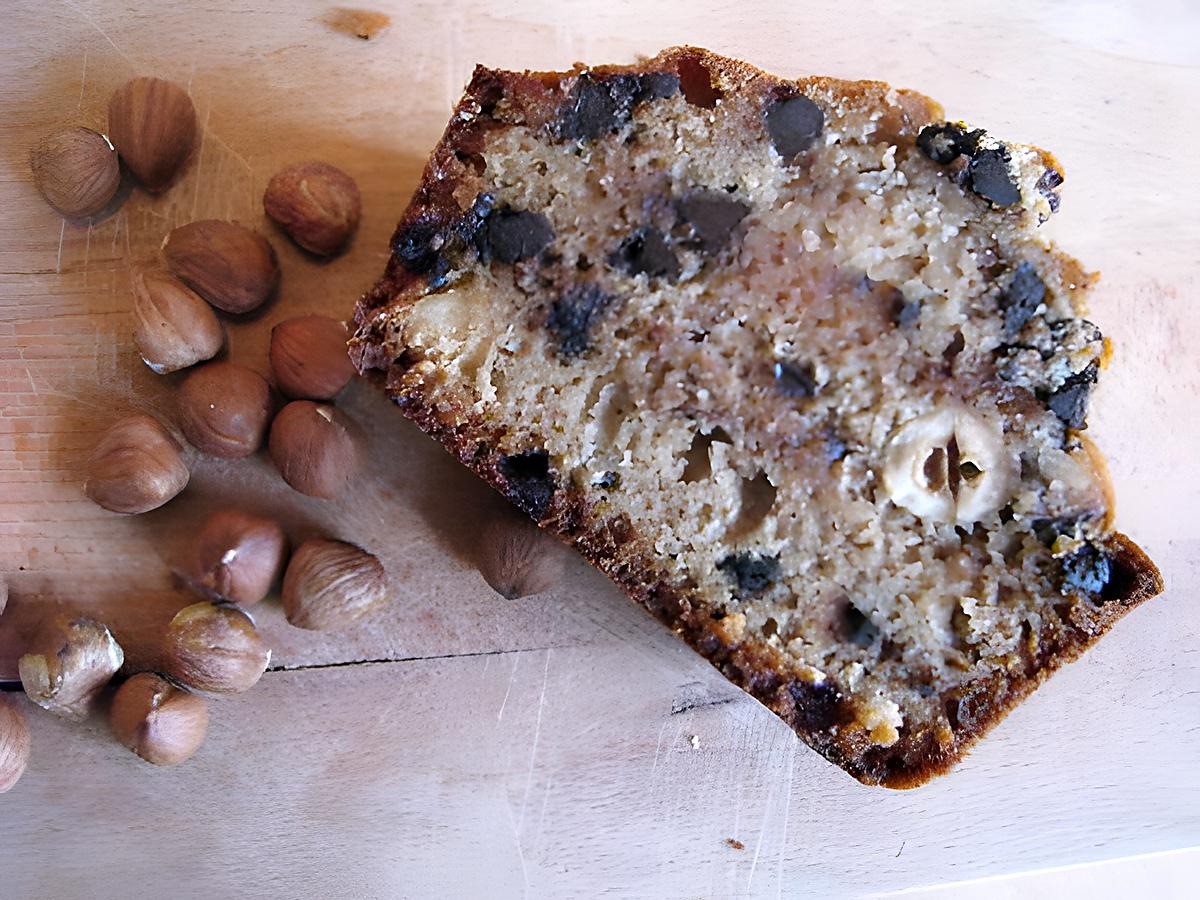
<point x="224" y="409"/>
<point x="230" y="266"/>
<point x="214" y="648"/>
<point x="315" y="448"/>
<point x="14" y="744"/>
<point x="236" y="556"/>
<point x="317" y="204"/>
<point x="309" y="358"/>
<point x="331" y="584"/>
<point x="70" y="661"/>
<point x="153" y="124"/>
<point x="175" y="327"/>
<point x="136" y="466"/>
<point x="161" y="723"/>
<point x="76" y="170"/>
<point x="516" y="558"/>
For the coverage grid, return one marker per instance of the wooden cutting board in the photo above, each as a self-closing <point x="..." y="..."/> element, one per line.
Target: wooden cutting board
<point x="461" y="744"/>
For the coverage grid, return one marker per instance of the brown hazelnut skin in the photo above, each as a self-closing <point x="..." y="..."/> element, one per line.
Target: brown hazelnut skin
<point x="161" y="723"/>
<point x="315" y="447"/>
<point x="175" y="328"/>
<point x="68" y="663"/>
<point x="317" y="204"/>
<point x="516" y="558"/>
<point x="309" y="358"/>
<point x="14" y="744"/>
<point x="236" y="556"/>
<point x="331" y="584"/>
<point x="214" y="648"/>
<point x="230" y="266"/>
<point x="136" y="466"/>
<point x="153" y="124"/>
<point x="76" y="170"/>
<point x="224" y="409"/>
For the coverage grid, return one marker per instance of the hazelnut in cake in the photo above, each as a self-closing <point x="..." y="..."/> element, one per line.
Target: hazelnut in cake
<point x="788" y="360"/>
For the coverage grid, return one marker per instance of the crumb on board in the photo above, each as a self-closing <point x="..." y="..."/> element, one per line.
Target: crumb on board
<point x="694" y="740"/>
<point x="359" y="23"/>
<point x="735" y="843"/>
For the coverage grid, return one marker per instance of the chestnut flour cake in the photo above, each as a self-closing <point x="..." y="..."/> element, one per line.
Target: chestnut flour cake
<point x="787" y="360"/>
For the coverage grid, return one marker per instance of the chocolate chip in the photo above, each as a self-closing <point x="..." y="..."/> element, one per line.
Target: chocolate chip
<point x="571" y="317"/>
<point x="1022" y="296"/>
<point x="517" y="234"/>
<point x="794" y="125"/>
<point x="598" y="105"/>
<point x="647" y="251"/>
<point x="431" y="245"/>
<point x="1070" y="402"/>
<point x="1086" y="571"/>
<point x="941" y="143"/>
<point x="990" y="177"/>
<point x="1050" y="179"/>
<point x="608" y="480"/>
<point x="712" y="217"/>
<point x="795" y="379"/>
<point x="529" y="481"/>
<point x="819" y="706"/>
<point x="417" y="244"/>
<point x="905" y="313"/>
<point x="752" y="572"/>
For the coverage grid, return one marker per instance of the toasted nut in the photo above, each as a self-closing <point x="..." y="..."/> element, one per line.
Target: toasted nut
<point x="153" y="124"/>
<point x="309" y="357"/>
<point x="70" y="661"/>
<point x="159" y="722"/>
<point x="236" y="556"/>
<point x="214" y="648"/>
<point x="330" y="585"/>
<point x="76" y="170"/>
<point x="315" y="448"/>
<point x="949" y="465"/>
<point x="517" y="558"/>
<point x="175" y="327"/>
<point x="230" y="266"/>
<point x="317" y="204"/>
<point x="14" y="744"/>
<point x="136" y="466"/>
<point x="224" y="409"/>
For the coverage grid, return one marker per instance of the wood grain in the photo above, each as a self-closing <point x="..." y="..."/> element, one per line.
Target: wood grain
<point x="530" y="747"/>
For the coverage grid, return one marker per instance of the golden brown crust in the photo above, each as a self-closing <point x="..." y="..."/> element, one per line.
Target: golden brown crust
<point x="817" y="711"/>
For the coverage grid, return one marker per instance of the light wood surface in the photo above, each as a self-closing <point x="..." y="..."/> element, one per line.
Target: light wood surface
<point x="461" y="744"/>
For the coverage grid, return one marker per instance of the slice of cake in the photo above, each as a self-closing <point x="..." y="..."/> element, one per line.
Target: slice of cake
<point x="787" y="360"/>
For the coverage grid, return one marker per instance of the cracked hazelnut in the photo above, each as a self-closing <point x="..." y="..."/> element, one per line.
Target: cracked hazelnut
<point x="161" y="723"/>
<point x="309" y="357"/>
<point x="236" y="556"/>
<point x="136" y="466"/>
<point x="331" y="584"/>
<point x="76" y="170"/>
<point x="516" y="558"/>
<point x="317" y="204"/>
<point x="175" y="327"/>
<point x="14" y="744"/>
<point x="224" y="409"/>
<point x="153" y="123"/>
<point x="214" y="648"/>
<point x="315" y="448"/>
<point x="230" y="266"/>
<point x="70" y="661"/>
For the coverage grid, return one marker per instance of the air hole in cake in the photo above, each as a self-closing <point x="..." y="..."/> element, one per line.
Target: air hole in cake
<point x="757" y="500"/>
<point x="770" y="627"/>
<point x="698" y="465"/>
<point x="854" y="626"/>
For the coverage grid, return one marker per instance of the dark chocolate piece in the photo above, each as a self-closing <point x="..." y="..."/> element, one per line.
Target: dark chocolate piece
<point x="647" y="251"/>
<point x="795" y="379"/>
<point x="990" y="177"/>
<point x="1086" y="571"/>
<point x="599" y="105"/>
<point x="529" y="481"/>
<point x="712" y="216"/>
<point x="1021" y="298"/>
<point x="1070" y="402"/>
<point x="571" y="317"/>
<point x="752" y="572"/>
<point x="517" y="234"/>
<point x="794" y="125"/>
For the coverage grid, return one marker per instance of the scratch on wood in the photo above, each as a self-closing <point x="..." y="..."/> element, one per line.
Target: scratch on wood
<point x="200" y="159"/>
<point x="512" y="676"/>
<point x="101" y="32"/>
<point x="62" y="233"/>
<point x="537" y="733"/>
<point x="83" y="78"/>
<point x="787" y="812"/>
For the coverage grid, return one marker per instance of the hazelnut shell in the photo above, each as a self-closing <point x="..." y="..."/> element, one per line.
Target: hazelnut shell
<point x="14" y="743"/>
<point x="230" y="266"/>
<point x="161" y="723"/>
<point x="236" y="556"/>
<point x="136" y="466"/>
<point x="214" y="648"/>
<point x="309" y="358"/>
<point x="152" y="122"/>
<point x="224" y="409"/>
<point x="76" y="170"/>
<point x="331" y="584"/>
<point x="317" y="204"/>
<point x="315" y="447"/>
<point x="175" y="328"/>
<point x="69" y="662"/>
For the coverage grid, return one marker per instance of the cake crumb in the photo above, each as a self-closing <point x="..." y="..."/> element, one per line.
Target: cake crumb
<point x="735" y="843"/>
<point x="694" y="740"/>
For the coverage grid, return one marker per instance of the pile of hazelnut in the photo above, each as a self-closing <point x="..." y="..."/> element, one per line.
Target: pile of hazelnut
<point x="226" y="410"/>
